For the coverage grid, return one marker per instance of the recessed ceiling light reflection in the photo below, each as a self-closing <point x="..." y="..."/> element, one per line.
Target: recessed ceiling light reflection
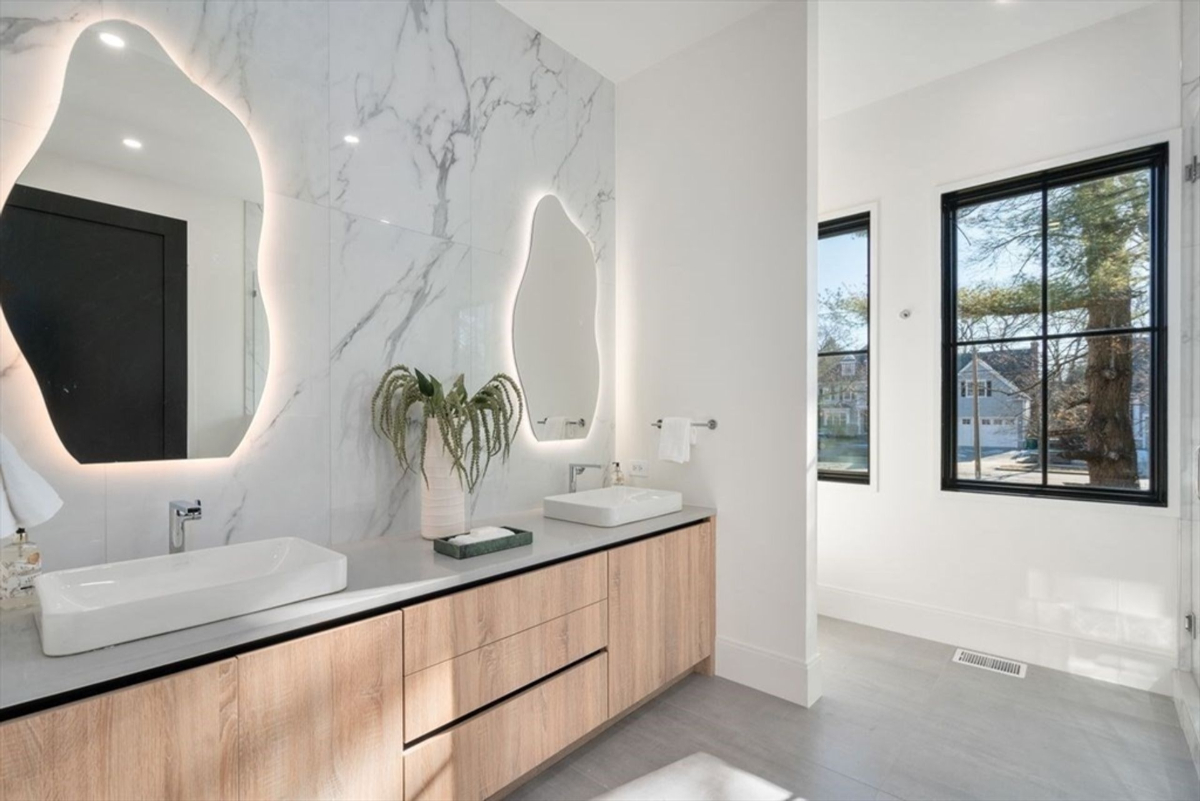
<point x="132" y="144"/>
<point x="112" y="40"/>
<point x="350" y="139"/>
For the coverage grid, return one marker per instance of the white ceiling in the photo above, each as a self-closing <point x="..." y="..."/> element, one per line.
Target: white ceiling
<point x="872" y="49"/>
<point x="620" y="38"/>
<point x="869" y="49"/>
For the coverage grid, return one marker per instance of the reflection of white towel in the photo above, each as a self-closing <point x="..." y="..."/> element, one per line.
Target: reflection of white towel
<point x="25" y="497"/>
<point x="675" y="441"/>
<point x="556" y="428"/>
<point x="482" y="534"/>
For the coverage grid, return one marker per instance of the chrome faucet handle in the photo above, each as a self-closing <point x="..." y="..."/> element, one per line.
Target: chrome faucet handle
<point x="575" y="468"/>
<point x="179" y="513"/>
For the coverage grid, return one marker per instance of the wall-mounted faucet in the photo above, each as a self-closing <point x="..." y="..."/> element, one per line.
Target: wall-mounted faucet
<point x="179" y="513"/>
<point x="575" y="469"/>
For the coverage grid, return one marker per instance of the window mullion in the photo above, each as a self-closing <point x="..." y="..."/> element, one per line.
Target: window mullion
<point x="1044" y="439"/>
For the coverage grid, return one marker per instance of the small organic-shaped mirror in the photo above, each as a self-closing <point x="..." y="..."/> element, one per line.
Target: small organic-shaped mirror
<point x="554" y="327"/>
<point x="128" y="259"/>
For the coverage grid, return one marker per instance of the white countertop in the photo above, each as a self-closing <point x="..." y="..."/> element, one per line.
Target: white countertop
<point x="383" y="572"/>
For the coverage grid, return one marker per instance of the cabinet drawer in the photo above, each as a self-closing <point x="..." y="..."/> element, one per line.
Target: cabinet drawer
<point x="452" y="689"/>
<point x="442" y="629"/>
<point x="483" y="755"/>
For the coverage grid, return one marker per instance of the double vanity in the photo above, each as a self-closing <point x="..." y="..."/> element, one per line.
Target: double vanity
<point x="425" y="678"/>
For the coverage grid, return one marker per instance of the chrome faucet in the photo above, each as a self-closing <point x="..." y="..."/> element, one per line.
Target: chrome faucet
<point x="179" y="513"/>
<point x="574" y="470"/>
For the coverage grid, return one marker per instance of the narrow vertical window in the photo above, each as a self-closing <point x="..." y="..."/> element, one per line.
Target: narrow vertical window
<point x="1054" y="296"/>
<point x="843" y="342"/>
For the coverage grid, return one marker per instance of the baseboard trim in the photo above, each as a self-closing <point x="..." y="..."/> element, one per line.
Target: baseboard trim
<point x="1141" y="668"/>
<point x="769" y="671"/>
<point x="1187" y="704"/>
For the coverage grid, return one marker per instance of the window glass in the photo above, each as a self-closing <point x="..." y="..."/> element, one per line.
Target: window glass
<point x="843" y="336"/>
<point x="1053" y="332"/>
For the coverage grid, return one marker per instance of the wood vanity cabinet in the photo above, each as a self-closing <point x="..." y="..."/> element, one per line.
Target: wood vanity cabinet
<point x="172" y="738"/>
<point x="660" y="612"/>
<point x="456" y="697"/>
<point x="322" y="717"/>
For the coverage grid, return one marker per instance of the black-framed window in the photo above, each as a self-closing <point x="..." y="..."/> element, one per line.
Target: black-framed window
<point x="1054" y="345"/>
<point x="843" y="349"/>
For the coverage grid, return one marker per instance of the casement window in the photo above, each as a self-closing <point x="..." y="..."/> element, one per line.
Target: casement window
<point x="843" y="358"/>
<point x="1054" y="288"/>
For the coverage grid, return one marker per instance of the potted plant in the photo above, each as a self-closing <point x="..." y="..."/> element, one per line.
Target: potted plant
<point x="460" y="435"/>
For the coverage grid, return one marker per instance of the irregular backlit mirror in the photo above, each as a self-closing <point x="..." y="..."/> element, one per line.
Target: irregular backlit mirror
<point x="129" y="259"/>
<point x="554" y="327"/>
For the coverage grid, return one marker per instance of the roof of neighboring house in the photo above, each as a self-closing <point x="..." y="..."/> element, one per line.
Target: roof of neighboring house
<point x="1017" y="368"/>
<point x="1020" y="367"/>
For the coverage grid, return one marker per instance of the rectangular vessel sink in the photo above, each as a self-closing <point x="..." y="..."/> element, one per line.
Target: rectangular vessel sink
<point x="612" y="506"/>
<point x="91" y="607"/>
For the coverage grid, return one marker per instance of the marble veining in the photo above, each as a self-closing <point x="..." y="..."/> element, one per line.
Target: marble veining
<point x="399" y="83"/>
<point x="405" y="248"/>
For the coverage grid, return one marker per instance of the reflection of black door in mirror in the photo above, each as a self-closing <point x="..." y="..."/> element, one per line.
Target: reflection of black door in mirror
<point x="96" y="296"/>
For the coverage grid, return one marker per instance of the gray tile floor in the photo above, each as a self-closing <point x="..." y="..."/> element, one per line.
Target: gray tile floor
<point x="897" y="720"/>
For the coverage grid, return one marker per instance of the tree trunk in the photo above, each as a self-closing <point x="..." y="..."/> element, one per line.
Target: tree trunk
<point x="1111" y="453"/>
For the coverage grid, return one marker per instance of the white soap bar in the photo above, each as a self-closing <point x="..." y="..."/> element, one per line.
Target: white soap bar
<point x="482" y="534"/>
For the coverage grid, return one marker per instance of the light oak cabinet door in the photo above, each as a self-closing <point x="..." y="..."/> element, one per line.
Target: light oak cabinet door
<point x="660" y="612"/>
<point x="323" y="716"/>
<point x="485" y="754"/>
<point x="173" y="738"/>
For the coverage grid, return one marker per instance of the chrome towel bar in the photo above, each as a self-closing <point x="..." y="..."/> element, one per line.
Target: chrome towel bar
<point x="709" y="424"/>
<point x="579" y="422"/>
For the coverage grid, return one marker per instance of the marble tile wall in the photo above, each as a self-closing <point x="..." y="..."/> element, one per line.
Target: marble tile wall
<point x="407" y="248"/>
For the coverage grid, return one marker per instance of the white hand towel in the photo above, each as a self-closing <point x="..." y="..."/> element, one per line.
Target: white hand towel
<point x="675" y="440"/>
<point x="482" y="534"/>
<point x="556" y="428"/>
<point x="25" y="498"/>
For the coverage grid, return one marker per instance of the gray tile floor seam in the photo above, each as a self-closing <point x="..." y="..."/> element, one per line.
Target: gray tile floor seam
<point x="897" y="720"/>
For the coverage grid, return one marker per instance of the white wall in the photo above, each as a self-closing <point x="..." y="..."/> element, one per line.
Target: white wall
<point x="1187" y="690"/>
<point x="1087" y="588"/>
<point x="216" y="251"/>
<point x="713" y="162"/>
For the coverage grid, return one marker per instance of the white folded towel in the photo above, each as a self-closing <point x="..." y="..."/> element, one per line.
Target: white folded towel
<point x="482" y="534"/>
<point x="26" y="499"/>
<point x="676" y="439"/>
<point x="556" y="428"/>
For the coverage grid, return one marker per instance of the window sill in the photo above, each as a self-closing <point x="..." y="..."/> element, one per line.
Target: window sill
<point x="862" y="479"/>
<point x="1126" y="499"/>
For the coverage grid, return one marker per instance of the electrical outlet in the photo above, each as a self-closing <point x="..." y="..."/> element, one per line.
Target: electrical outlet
<point x="639" y="469"/>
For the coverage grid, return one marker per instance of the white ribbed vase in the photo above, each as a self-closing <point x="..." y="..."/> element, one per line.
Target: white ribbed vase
<point x="443" y="501"/>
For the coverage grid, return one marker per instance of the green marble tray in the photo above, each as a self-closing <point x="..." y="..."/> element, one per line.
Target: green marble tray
<point x="520" y="537"/>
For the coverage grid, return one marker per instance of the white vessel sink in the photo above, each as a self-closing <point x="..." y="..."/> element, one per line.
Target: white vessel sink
<point x="612" y="506"/>
<point x="91" y="607"/>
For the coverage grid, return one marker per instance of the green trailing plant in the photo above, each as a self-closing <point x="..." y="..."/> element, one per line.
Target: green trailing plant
<point x="474" y="429"/>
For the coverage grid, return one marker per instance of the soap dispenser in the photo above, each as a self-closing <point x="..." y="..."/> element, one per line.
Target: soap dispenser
<point x="616" y="478"/>
<point x="20" y="564"/>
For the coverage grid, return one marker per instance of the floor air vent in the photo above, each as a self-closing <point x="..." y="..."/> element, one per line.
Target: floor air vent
<point x="993" y="663"/>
